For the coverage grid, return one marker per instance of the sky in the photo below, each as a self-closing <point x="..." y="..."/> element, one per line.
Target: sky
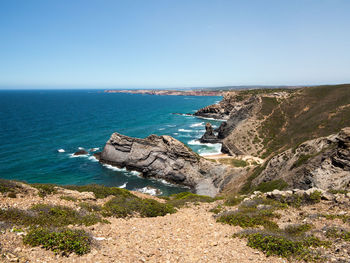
<point x="177" y="43"/>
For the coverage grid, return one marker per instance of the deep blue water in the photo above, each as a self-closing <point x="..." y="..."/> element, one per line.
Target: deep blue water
<point x="35" y="124"/>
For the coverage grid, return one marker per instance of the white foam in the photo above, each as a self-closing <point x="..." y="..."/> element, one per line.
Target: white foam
<point x="114" y="168"/>
<point x="184" y="130"/>
<point x="123" y="170"/>
<point x="61" y="150"/>
<point x="211" y="150"/>
<point x="71" y="155"/>
<point x="123" y="185"/>
<point x="149" y="190"/>
<point x="93" y="158"/>
<point x="94" y="149"/>
<point x="197" y="124"/>
<point x="169" y="125"/>
<point x="206" y="118"/>
<point x="135" y="173"/>
<point x="80" y="148"/>
<point x="175" y="133"/>
<point x="161" y="129"/>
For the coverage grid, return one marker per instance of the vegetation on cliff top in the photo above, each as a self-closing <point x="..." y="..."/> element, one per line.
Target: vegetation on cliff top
<point x="309" y="113"/>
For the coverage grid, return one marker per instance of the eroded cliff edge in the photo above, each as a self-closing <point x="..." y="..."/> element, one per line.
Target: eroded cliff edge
<point x="163" y="157"/>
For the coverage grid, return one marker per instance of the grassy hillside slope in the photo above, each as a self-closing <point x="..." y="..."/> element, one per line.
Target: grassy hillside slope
<point x="307" y="114"/>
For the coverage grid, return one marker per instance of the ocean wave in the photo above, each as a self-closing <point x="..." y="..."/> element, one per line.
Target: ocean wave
<point x="114" y="168"/>
<point x="206" y="118"/>
<point x="81" y="148"/>
<point x="71" y="155"/>
<point x="61" y="150"/>
<point x="161" y="129"/>
<point x="175" y="133"/>
<point x="213" y="149"/>
<point x="93" y="158"/>
<point x="94" y="149"/>
<point x="123" y="170"/>
<point x="197" y="124"/>
<point x="171" y="126"/>
<point x="149" y="190"/>
<point x="134" y="173"/>
<point x="123" y="185"/>
<point x="184" y="130"/>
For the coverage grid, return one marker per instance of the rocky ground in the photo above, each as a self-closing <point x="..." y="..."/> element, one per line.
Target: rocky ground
<point x="190" y="235"/>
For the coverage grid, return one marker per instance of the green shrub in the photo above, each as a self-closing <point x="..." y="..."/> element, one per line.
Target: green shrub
<point x="297" y="230"/>
<point x="46" y="215"/>
<point x="338" y="233"/>
<point x="275" y="244"/>
<point x="7" y="186"/>
<point x="45" y="189"/>
<point x="233" y="200"/>
<point x="296" y="200"/>
<point x="216" y="210"/>
<point x="270" y="186"/>
<point x="248" y="215"/>
<point x="90" y="207"/>
<point x="180" y="199"/>
<point x="68" y="198"/>
<point x="65" y="241"/>
<point x="100" y="191"/>
<point x="124" y="206"/>
<point x="301" y="160"/>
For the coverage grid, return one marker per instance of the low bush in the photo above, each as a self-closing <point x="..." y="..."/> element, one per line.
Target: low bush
<point x="46" y="215"/>
<point x="338" y="233"/>
<point x="90" y="207"/>
<point x="68" y="198"/>
<point x="124" y="206"/>
<point x="45" y="189"/>
<point x="216" y="210"/>
<point x="271" y="185"/>
<point x="298" y="229"/>
<point x="233" y="200"/>
<point x="10" y="187"/>
<point x="63" y="241"/>
<point x="280" y="245"/>
<point x="296" y="200"/>
<point x="100" y="191"/>
<point x="180" y="199"/>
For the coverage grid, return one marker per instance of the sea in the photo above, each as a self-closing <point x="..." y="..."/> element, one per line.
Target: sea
<point x="41" y="129"/>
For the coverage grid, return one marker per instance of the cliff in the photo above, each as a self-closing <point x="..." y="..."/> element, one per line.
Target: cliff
<point x="163" y="157"/>
<point x="322" y="163"/>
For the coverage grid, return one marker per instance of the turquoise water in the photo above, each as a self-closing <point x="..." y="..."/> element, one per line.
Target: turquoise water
<point x="35" y="124"/>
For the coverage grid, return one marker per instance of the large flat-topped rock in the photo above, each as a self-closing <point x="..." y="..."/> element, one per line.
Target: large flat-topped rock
<point x="164" y="157"/>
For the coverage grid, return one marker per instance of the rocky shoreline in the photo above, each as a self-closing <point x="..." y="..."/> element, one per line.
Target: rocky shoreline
<point x="163" y="157"/>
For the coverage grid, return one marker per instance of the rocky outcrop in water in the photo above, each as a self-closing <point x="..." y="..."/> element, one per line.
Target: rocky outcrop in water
<point x="323" y="163"/>
<point x="209" y="136"/>
<point x="164" y="157"/>
<point x="80" y="152"/>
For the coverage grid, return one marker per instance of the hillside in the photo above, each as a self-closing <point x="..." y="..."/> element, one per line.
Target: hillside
<point x="267" y="122"/>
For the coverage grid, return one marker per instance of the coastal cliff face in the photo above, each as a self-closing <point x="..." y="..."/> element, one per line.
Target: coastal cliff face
<point x="322" y="163"/>
<point x="163" y="157"/>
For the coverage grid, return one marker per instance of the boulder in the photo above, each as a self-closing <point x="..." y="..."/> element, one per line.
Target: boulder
<point x="163" y="157"/>
<point x="209" y="136"/>
<point x="80" y="152"/>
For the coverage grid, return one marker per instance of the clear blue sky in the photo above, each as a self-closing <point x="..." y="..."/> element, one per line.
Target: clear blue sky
<point x="163" y="43"/>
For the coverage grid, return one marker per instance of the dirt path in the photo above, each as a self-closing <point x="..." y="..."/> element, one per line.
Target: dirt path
<point x="190" y="235"/>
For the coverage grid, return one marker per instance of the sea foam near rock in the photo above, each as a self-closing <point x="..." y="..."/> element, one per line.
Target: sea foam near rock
<point x="197" y="124"/>
<point x="61" y="150"/>
<point x="184" y="130"/>
<point x="149" y="190"/>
